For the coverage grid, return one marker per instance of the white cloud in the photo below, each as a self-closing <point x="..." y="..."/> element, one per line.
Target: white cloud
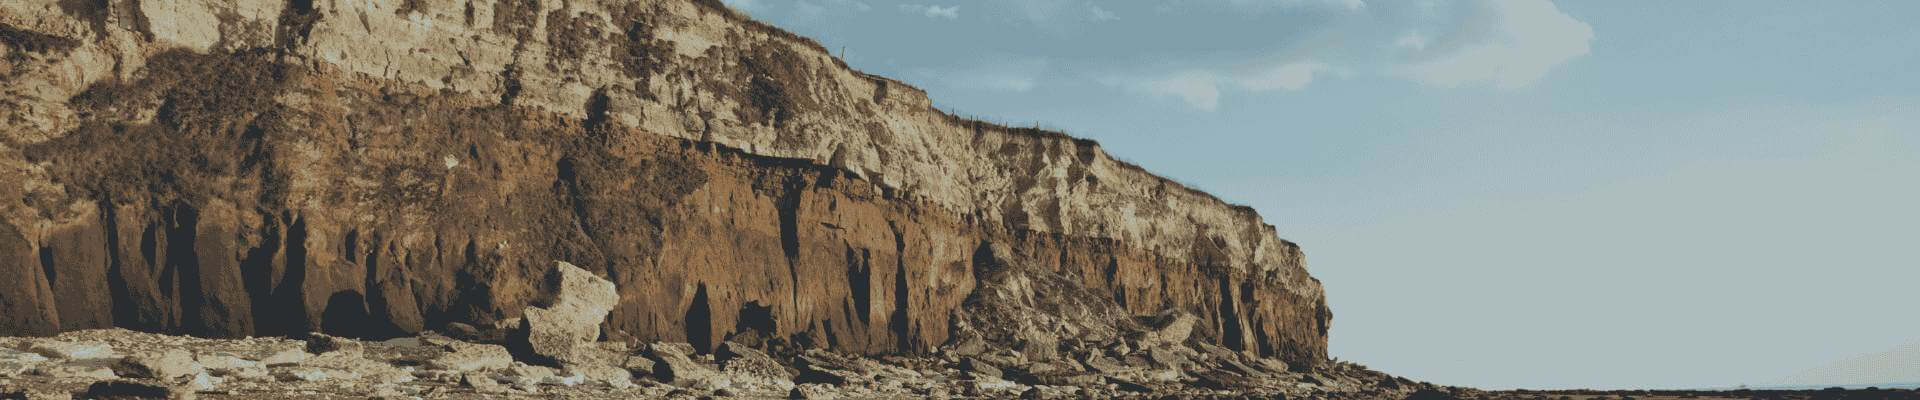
<point x="1413" y="41"/>
<point x="816" y="10"/>
<point x="1052" y="14"/>
<point x="1290" y="76"/>
<point x="1101" y="14"/>
<point x="1200" y="89"/>
<point x="1508" y="43"/>
<point x="1349" y="5"/>
<point x="932" y="11"/>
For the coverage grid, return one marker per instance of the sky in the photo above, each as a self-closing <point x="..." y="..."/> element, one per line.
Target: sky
<point x="1495" y="193"/>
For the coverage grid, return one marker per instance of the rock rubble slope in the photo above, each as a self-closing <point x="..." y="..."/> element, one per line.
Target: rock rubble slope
<point x="1154" y="363"/>
<point x="375" y="170"/>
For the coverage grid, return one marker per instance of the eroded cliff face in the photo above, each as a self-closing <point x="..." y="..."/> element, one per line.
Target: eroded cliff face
<point x="376" y="169"/>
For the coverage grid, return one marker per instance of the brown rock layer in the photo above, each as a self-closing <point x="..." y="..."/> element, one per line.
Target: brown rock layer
<point x="231" y="168"/>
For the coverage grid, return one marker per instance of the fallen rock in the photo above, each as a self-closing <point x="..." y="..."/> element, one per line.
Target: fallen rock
<point x="571" y="378"/>
<point x="739" y="359"/>
<point x="971" y="345"/>
<point x="673" y="365"/>
<point x="1061" y="379"/>
<point x="15" y="362"/>
<point x="522" y="374"/>
<point x="814" y="368"/>
<point x="85" y="371"/>
<point x="811" y="392"/>
<point x="567" y="315"/>
<point x="286" y="355"/>
<point x="639" y="365"/>
<point x="323" y="345"/>
<point x="481" y="383"/>
<point x="73" y="350"/>
<point x="303" y="374"/>
<point x="165" y="365"/>
<point x="133" y="390"/>
<point x="1219" y="380"/>
<point x="465" y="357"/>
<point x="229" y="365"/>
<point x="611" y="375"/>
<point x="1130" y="386"/>
<point x="203" y="382"/>
<point x="981" y="368"/>
<point x="1105" y="365"/>
<point x="1167" y="358"/>
<point x="1174" y="327"/>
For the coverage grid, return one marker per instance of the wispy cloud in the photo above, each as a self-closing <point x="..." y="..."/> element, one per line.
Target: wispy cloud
<point x="1101" y="14"/>
<point x="1202" y="88"/>
<point x="1507" y="43"/>
<point x="1289" y="76"/>
<point x="815" y="10"/>
<point x="1203" y="52"/>
<point x="932" y="11"/>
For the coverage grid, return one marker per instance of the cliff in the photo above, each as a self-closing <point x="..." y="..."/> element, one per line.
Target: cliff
<point x="375" y="169"/>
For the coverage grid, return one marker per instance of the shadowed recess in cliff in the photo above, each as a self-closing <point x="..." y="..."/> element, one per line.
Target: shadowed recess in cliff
<point x="755" y="325"/>
<point x="699" y="321"/>
<point x="899" y="321"/>
<point x="182" y="226"/>
<point x="860" y="282"/>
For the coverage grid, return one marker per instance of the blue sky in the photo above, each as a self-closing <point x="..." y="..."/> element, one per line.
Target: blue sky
<point x="1496" y="193"/>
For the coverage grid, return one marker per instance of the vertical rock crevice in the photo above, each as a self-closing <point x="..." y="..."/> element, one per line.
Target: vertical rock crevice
<point x="699" y="321"/>
<point x="182" y="258"/>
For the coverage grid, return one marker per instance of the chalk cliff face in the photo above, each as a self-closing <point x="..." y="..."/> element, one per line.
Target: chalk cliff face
<point x="377" y="168"/>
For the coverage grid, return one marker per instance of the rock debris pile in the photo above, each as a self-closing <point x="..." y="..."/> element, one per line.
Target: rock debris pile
<point x="554" y="352"/>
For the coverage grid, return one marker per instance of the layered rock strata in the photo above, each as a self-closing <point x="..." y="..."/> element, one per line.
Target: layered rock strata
<point x="376" y="169"/>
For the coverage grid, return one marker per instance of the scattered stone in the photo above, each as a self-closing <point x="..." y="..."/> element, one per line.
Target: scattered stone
<point x="120" y="389"/>
<point x="672" y="364"/>
<point x="1167" y="358"/>
<point x="224" y="362"/>
<point x="202" y="382"/>
<point x="972" y="345"/>
<point x="568" y="315"/>
<point x="744" y="362"/>
<point x="611" y="375"/>
<point x="1219" y="380"/>
<point x="818" y="366"/>
<point x="1172" y="328"/>
<point x="82" y="371"/>
<point x="481" y="383"/>
<point x="465" y="357"/>
<point x="330" y="346"/>
<point x="639" y="365"/>
<point x="1062" y="379"/>
<point x="302" y="374"/>
<point x="522" y="374"/>
<point x="980" y="368"/>
<point x="286" y="355"/>
<point x="73" y="350"/>
<point x="462" y="331"/>
<point x="811" y="392"/>
<point x="166" y="365"/>
<point x="1129" y="386"/>
<point x="570" y="379"/>
<point x="15" y="362"/>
